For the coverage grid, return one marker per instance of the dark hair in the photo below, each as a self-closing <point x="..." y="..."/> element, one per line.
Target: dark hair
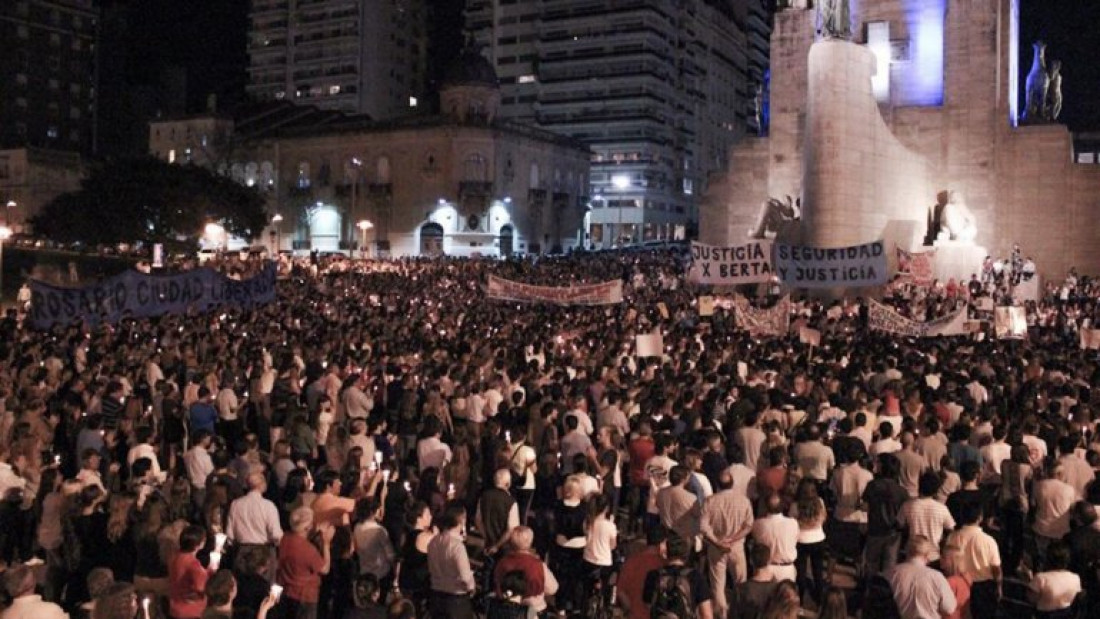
<point x="140" y="468"/>
<point x="365" y="589"/>
<point x="889" y="466"/>
<point x="971" y="513"/>
<point x="760" y="556"/>
<point x="452" y="514"/>
<point x="1058" y="556"/>
<point x="655" y="536"/>
<point x="677" y="547"/>
<point x="220" y="587"/>
<point x="325" y="480"/>
<point x="514" y="583"/>
<point x="678" y="474"/>
<point x="929" y="483"/>
<point x="969" y="471"/>
<point x="191" y="538"/>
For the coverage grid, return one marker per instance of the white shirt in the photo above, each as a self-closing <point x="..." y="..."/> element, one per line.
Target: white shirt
<point x="253" y="520"/>
<point x="199" y="466"/>
<point x="432" y="452"/>
<point x="598" y="541"/>
<point x="357" y="404"/>
<point x="1055" y="590"/>
<point x="584" y="423"/>
<point x="227" y="404"/>
<point x="1053" y="500"/>
<point x="743" y="478"/>
<point x="885" y="446"/>
<point x="780" y="534"/>
<point x="145" y="450"/>
<point x="33" y="607"/>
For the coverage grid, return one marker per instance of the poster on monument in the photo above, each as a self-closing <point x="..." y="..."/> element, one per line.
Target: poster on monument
<point x="750" y="263"/>
<point x="884" y="318"/>
<point x="917" y="268"/>
<point x="1010" y="323"/>
<point x="841" y="267"/>
<point x="757" y="321"/>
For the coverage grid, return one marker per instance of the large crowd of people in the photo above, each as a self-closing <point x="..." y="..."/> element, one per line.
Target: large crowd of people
<point x="386" y="441"/>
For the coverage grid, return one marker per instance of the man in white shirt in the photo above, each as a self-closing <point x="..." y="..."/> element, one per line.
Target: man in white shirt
<point x="144" y="448"/>
<point x="1076" y="470"/>
<point x="199" y="466"/>
<point x="431" y="451"/>
<point x="356" y="403"/>
<point x="780" y="534"/>
<point x="725" y="522"/>
<point x="253" y="521"/>
<point x="861" y="431"/>
<point x="19" y="581"/>
<point x="920" y="592"/>
<point x="814" y="457"/>
<point x="925" y="516"/>
<point x="886" y="444"/>
<point x="750" y="438"/>
<point x="994" y="454"/>
<point x="848" y="483"/>
<point x="1053" y="499"/>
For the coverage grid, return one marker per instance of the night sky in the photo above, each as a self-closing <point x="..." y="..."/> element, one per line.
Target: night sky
<point x="1071" y="30"/>
<point x="207" y="39"/>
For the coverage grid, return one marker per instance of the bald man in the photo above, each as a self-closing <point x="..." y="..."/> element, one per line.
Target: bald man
<point x="254" y="521"/>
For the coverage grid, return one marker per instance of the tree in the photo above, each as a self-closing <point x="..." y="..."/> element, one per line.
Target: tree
<point x="151" y="201"/>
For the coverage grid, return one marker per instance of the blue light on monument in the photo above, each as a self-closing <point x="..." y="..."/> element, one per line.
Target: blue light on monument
<point x="1014" y="63"/>
<point x="928" y="52"/>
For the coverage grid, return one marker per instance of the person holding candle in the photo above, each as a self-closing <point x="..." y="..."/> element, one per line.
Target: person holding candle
<point x="187" y="577"/>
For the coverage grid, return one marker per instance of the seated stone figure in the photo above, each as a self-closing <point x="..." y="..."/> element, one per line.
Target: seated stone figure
<point x="957" y="222"/>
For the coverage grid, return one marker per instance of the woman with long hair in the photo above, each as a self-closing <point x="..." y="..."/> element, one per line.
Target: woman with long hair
<point x="120" y="549"/>
<point x="835" y="605"/>
<point x="1016" y="478"/>
<point x="150" y="565"/>
<point x="85" y="533"/>
<point x="784" y="603"/>
<point x="809" y="510"/>
<point x="48" y="509"/>
<point x="569" y="542"/>
<point x="601" y="538"/>
<point x="411" y="572"/>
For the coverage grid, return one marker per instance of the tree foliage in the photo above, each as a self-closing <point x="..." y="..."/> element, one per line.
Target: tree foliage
<point x="151" y="201"/>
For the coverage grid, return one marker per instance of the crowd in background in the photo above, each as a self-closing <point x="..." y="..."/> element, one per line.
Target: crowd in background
<point x="385" y="441"/>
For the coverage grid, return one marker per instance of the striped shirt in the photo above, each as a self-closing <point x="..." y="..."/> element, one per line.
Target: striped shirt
<point x="928" y="517"/>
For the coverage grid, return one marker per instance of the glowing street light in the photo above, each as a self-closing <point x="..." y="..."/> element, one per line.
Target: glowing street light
<point x="5" y="234"/>
<point x="278" y="221"/>
<point x="363" y="225"/>
<point x="215" y="233"/>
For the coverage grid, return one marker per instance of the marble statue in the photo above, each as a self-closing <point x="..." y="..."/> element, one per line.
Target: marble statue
<point x="1038" y="82"/>
<point x="774" y="215"/>
<point x="834" y="18"/>
<point x="957" y="221"/>
<point x="1054" y="92"/>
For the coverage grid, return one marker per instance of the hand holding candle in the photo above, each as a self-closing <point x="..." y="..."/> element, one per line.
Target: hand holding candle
<point x="219" y="541"/>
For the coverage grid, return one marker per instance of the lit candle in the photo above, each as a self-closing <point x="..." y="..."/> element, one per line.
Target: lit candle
<point x="219" y="541"/>
<point x="215" y="559"/>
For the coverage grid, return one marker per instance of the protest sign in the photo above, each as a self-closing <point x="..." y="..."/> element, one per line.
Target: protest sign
<point x="842" y="267"/>
<point x="918" y="268"/>
<point x="764" y="321"/>
<point x="1010" y="323"/>
<point x="883" y="318"/>
<point x="137" y="295"/>
<point x="706" y="306"/>
<point x="808" y="336"/>
<point x="985" y="304"/>
<point x="604" y="293"/>
<point x="750" y="263"/>
<point x="663" y="309"/>
<point x="650" y="344"/>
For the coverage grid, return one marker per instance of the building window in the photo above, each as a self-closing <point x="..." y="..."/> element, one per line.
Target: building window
<point x="303" y="175"/>
<point x="187" y="155"/>
<point x="333" y="90"/>
<point x="525" y="79"/>
<point x="413" y="102"/>
<point x="51" y="132"/>
<point x="171" y="155"/>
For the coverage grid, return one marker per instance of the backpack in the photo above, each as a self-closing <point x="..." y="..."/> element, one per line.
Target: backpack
<point x="673" y="599"/>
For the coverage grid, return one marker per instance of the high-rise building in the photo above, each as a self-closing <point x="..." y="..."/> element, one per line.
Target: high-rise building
<point x="659" y="91"/>
<point x="362" y="56"/>
<point x="48" y="69"/>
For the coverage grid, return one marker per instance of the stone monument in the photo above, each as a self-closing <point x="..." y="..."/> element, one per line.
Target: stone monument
<point x="924" y="95"/>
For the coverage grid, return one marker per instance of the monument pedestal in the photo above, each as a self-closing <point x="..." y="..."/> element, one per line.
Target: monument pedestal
<point x="958" y="260"/>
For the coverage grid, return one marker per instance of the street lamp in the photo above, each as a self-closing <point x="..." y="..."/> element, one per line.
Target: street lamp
<point x="363" y="226"/>
<point x="278" y="221"/>
<point x="215" y="233"/>
<point x="5" y="234"/>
